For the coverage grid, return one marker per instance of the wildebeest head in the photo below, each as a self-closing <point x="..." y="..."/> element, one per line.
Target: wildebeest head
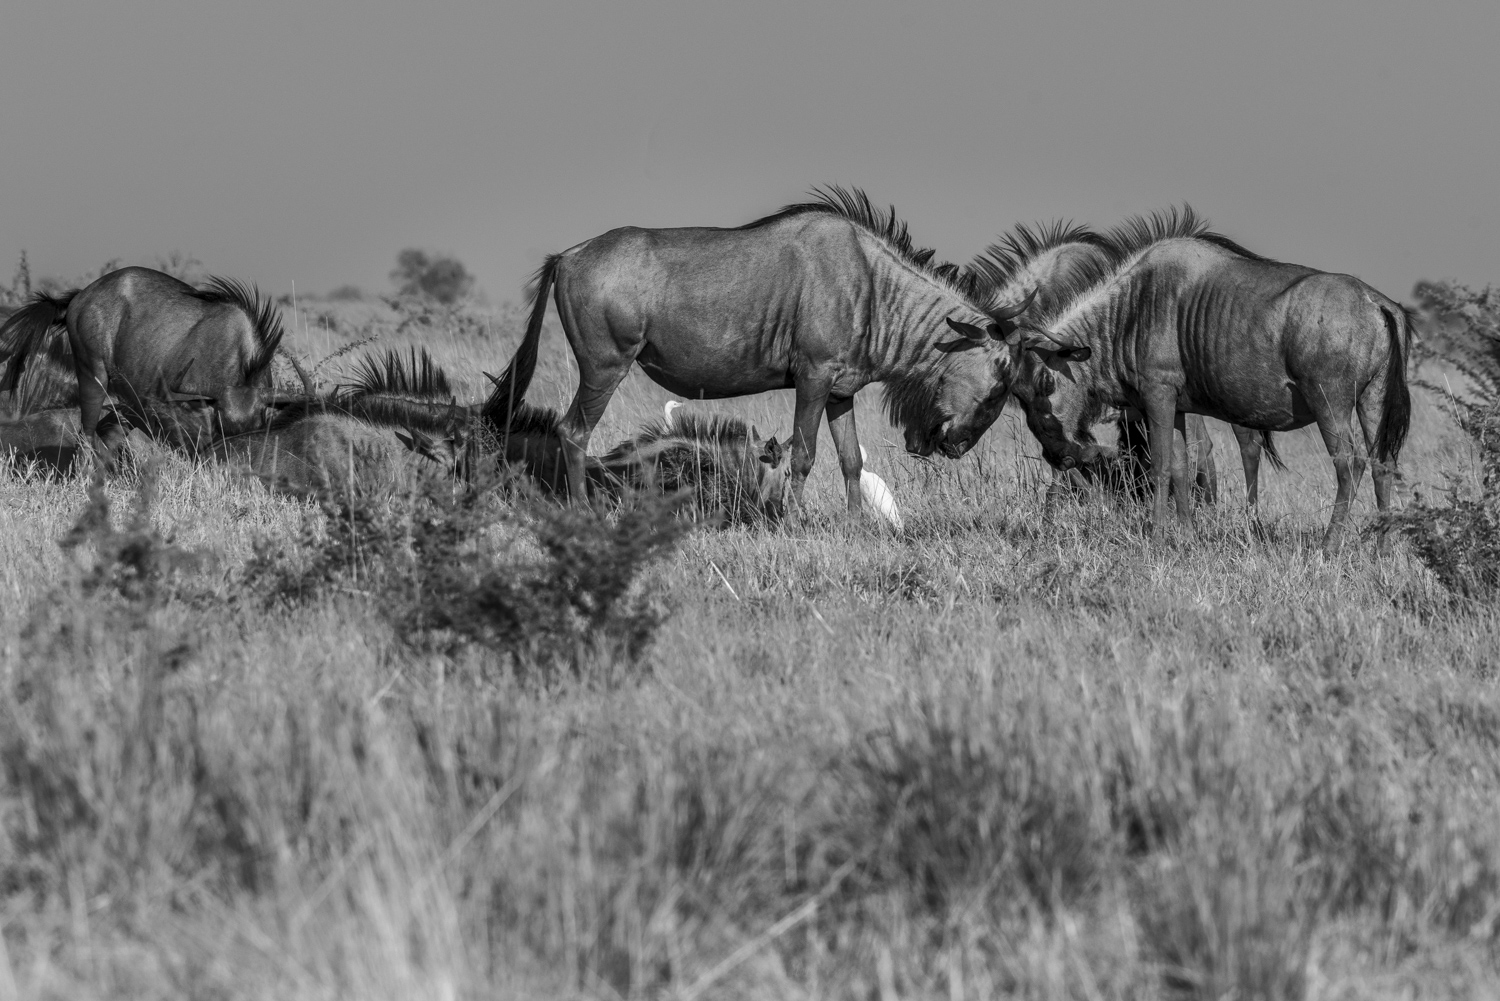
<point x="1060" y="408"/>
<point x="224" y="411"/>
<point x="951" y="413"/>
<point x="772" y="472"/>
<point x="450" y="449"/>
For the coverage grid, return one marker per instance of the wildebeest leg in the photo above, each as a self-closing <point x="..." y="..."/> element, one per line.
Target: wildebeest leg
<point x="812" y="400"/>
<point x="1371" y="403"/>
<point x="1333" y="417"/>
<point x="1184" y="463"/>
<point x="1204" y="471"/>
<point x="91" y="399"/>
<point x="1161" y="419"/>
<point x="1250" y="459"/>
<point x="846" y="443"/>
<point x="597" y="381"/>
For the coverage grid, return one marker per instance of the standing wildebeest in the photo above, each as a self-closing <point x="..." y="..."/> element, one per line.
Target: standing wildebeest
<point x="1060" y="261"/>
<point x="140" y="334"/>
<point x="1190" y="322"/>
<point x="824" y="298"/>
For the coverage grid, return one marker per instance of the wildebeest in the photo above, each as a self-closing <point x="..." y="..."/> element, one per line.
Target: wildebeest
<point x="1191" y="322"/>
<point x="1059" y="261"/>
<point x="823" y="298"/>
<point x="731" y="472"/>
<point x="395" y="410"/>
<point x="140" y="334"/>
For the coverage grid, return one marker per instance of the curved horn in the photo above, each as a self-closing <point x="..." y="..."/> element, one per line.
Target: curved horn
<point x="182" y="374"/>
<point x="302" y="374"/>
<point x="1013" y="311"/>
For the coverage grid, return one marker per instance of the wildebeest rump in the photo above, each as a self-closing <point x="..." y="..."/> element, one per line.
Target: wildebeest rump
<point x="1192" y="323"/>
<point x="138" y="334"/>
<point x="823" y="298"/>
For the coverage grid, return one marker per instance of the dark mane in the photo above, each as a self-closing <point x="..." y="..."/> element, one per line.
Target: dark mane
<point x="377" y="411"/>
<point x="528" y="419"/>
<point x="1002" y="260"/>
<point x="1139" y="232"/>
<point x="414" y="376"/>
<point x="1132" y="237"/>
<point x="710" y="429"/>
<point x="853" y="204"/>
<point x="262" y="312"/>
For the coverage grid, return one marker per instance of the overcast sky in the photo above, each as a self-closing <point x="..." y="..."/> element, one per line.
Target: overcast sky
<point x="292" y="141"/>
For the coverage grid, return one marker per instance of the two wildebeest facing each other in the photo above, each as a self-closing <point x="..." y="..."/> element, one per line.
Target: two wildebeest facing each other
<point x="141" y="336"/>
<point x="1190" y="322"/>
<point x="1060" y="261"/>
<point x="823" y="298"/>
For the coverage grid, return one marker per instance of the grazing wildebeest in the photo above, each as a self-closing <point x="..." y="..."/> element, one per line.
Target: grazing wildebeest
<point x="140" y="334"/>
<point x="823" y="298"/>
<point x="1191" y="322"/>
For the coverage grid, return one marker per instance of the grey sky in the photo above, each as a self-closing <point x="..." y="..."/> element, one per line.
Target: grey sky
<point x="291" y="141"/>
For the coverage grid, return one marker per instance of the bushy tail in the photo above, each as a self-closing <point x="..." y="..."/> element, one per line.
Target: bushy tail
<point x="1268" y="449"/>
<point x="25" y="331"/>
<point x="1395" y="415"/>
<point x="510" y="388"/>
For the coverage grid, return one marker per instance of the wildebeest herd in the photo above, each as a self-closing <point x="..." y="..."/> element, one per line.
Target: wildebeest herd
<point x="1155" y="324"/>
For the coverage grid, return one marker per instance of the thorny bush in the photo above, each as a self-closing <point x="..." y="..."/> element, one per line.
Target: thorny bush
<point x="1458" y="538"/>
<point x="450" y="566"/>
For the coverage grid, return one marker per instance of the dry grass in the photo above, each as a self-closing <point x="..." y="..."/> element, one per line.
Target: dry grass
<point x="993" y="756"/>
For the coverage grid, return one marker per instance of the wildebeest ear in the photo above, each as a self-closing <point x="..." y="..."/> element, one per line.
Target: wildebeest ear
<point x="967" y="331"/>
<point x="754" y="435"/>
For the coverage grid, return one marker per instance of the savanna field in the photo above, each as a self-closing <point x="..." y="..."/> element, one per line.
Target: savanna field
<point x="999" y="754"/>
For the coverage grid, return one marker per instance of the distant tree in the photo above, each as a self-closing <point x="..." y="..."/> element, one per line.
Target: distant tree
<point x="347" y="293"/>
<point x="432" y="275"/>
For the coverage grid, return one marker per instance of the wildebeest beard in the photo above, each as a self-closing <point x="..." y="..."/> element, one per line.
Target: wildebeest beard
<point x="911" y="404"/>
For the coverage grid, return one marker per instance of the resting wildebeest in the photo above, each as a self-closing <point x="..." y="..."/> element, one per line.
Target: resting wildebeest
<point x="823" y="297"/>
<point x="730" y="470"/>
<point x="140" y="334"/>
<point x="395" y="410"/>
<point x="1191" y="322"/>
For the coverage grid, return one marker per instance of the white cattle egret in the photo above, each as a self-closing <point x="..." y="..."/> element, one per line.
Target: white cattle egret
<point x="876" y="494"/>
<point x="666" y="411"/>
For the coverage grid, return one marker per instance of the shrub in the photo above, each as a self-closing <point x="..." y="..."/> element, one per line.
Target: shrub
<point x="432" y="559"/>
<point x="1458" y="538"/>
